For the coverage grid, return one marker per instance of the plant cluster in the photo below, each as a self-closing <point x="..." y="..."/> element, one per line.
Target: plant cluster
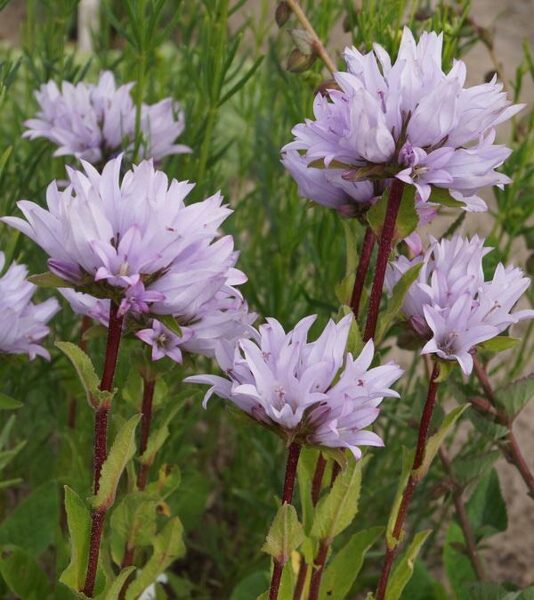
<point x="298" y="318"/>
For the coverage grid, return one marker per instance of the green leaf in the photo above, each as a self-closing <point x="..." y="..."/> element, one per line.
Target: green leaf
<point x="344" y="568"/>
<point x="499" y="343"/>
<point x="87" y="374"/>
<point x="22" y="574"/>
<point x="407" y="219"/>
<point x="113" y="591"/>
<point x="407" y="460"/>
<point x="168" y="546"/>
<point x="133" y="523"/>
<point x="377" y="213"/>
<point x="120" y="454"/>
<point x="351" y="248"/>
<point x="79" y="525"/>
<point x="404" y="567"/>
<point x="435" y="441"/>
<point x="471" y="467"/>
<point x="8" y="403"/>
<point x="343" y="289"/>
<point x="395" y="303"/>
<point x="337" y="510"/>
<point x="354" y="341"/>
<point x="486" y="507"/>
<point x="456" y="562"/>
<point x="251" y="586"/>
<point x="157" y="438"/>
<point x="515" y="396"/>
<point x="49" y="280"/>
<point x="423" y="585"/>
<point x="285" y="534"/>
<point x="32" y="524"/>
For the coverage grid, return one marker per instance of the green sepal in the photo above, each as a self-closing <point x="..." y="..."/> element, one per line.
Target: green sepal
<point x="49" y="280"/>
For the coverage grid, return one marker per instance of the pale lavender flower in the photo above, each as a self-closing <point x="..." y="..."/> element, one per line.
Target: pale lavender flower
<point x="451" y="305"/>
<point x="164" y="342"/>
<point x="23" y="324"/>
<point x="411" y="119"/>
<point x="134" y="239"/>
<point x="222" y="320"/>
<point x="93" y="122"/>
<point x="311" y="392"/>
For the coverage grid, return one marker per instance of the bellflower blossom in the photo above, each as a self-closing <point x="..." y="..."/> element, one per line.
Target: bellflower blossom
<point x="409" y="118"/>
<point x="451" y="305"/>
<point x="308" y="391"/>
<point x="94" y="121"/>
<point x="23" y="324"/>
<point x="134" y="240"/>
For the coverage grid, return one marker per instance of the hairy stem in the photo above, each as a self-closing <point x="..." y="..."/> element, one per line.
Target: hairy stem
<point x="422" y="437"/>
<point x="317" y="44"/>
<point x="510" y="446"/>
<point x="146" y="421"/>
<point x="100" y="443"/>
<point x="361" y="272"/>
<point x="463" y="519"/>
<point x="287" y="497"/>
<point x="384" y="250"/>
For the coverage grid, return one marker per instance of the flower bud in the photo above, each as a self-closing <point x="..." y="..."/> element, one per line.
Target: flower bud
<point x="299" y="62"/>
<point x="282" y="14"/>
<point x="304" y="41"/>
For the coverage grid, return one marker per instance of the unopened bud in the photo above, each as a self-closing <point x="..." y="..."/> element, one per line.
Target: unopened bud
<point x="299" y="62"/>
<point x="282" y="14"/>
<point x="304" y="41"/>
<point x="423" y="14"/>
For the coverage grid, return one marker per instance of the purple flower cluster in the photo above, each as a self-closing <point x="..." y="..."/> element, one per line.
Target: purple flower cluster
<point x="452" y="305"/>
<point x="308" y="391"/>
<point x="93" y="122"/>
<point x="409" y="118"/>
<point x="135" y="241"/>
<point x="23" y="324"/>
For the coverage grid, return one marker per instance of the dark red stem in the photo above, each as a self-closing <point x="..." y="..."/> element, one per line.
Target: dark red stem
<point x="146" y="421"/>
<point x="100" y="443"/>
<point x="384" y="250"/>
<point x="287" y="496"/>
<point x="301" y="580"/>
<point x="361" y="272"/>
<point x="318" y="568"/>
<point x="318" y="478"/>
<point x="424" y="427"/>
